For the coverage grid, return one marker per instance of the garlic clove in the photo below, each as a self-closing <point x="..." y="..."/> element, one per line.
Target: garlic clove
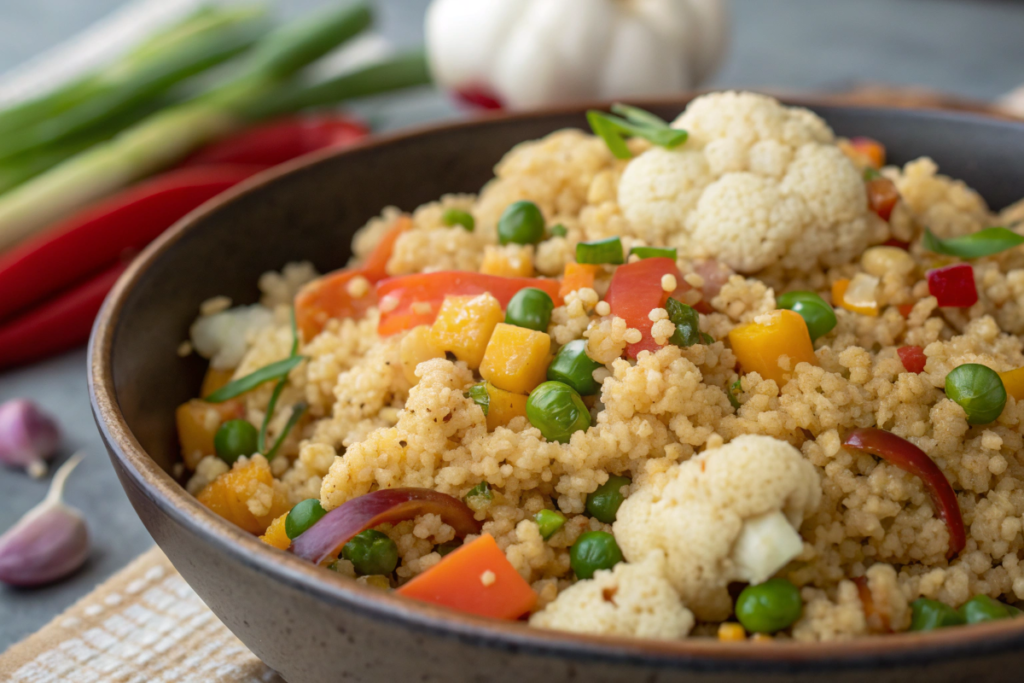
<point x="28" y="437"/>
<point x="50" y="542"/>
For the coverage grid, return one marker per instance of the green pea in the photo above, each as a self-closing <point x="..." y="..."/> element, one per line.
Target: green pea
<point x="979" y="391"/>
<point x="480" y="396"/>
<point x="819" y="316"/>
<point x="592" y="551"/>
<point x="770" y="606"/>
<point x="603" y="504"/>
<point x="530" y="308"/>
<point x="574" y="367"/>
<point x="453" y="217"/>
<point x="549" y="521"/>
<point x="929" y="615"/>
<point x="687" y="322"/>
<point x="482" y="491"/>
<point x="234" y="439"/>
<point x="557" y="411"/>
<point x="559" y="230"/>
<point x="521" y="223"/>
<point x="302" y="517"/>
<point x="982" y="608"/>
<point x="371" y="552"/>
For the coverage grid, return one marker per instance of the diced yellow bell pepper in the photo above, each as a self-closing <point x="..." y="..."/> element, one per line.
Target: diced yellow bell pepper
<point x="230" y="495"/>
<point x="759" y="345"/>
<point x="198" y="422"/>
<point x="516" y="359"/>
<point x="839" y="288"/>
<point x="504" y="405"/>
<point x="1013" y="381"/>
<point x="214" y="379"/>
<point x="416" y="347"/>
<point x="512" y="260"/>
<point x="276" y="535"/>
<point x="464" y="326"/>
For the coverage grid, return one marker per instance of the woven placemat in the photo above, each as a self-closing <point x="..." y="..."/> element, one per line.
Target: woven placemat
<point x="144" y="625"/>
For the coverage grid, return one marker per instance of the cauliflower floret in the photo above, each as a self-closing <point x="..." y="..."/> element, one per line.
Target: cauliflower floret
<point x="630" y="600"/>
<point x="224" y="336"/>
<point x="698" y="513"/>
<point x="756" y="184"/>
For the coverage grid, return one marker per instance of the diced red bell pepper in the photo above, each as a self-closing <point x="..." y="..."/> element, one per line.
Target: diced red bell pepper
<point x="328" y="297"/>
<point x="882" y="196"/>
<point x="636" y="290"/>
<point x="279" y="141"/>
<point x="99" y="236"/>
<point x="913" y="358"/>
<point x="57" y="325"/>
<point x="412" y="300"/>
<point x="953" y="286"/>
<point x="909" y="458"/>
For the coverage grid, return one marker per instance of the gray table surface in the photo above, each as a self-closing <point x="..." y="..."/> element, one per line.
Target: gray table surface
<point x="968" y="47"/>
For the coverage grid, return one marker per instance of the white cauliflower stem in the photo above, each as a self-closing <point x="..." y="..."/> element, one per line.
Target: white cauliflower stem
<point x="699" y="518"/>
<point x="757" y="183"/>
<point x="630" y="600"/>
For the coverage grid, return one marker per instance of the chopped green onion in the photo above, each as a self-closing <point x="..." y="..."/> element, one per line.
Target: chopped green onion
<point x="613" y="130"/>
<point x="480" y="396"/>
<point x="281" y="383"/>
<point x="982" y="243"/>
<point x="298" y="410"/>
<point x="687" y="323"/>
<point x="734" y="389"/>
<point x="871" y="174"/>
<point x="453" y="217"/>
<point x="559" y="230"/>
<point x="549" y="521"/>
<point x="481" y="490"/>
<point x="639" y="116"/>
<point x="600" y="252"/>
<point x="243" y="384"/>
<point x="654" y="252"/>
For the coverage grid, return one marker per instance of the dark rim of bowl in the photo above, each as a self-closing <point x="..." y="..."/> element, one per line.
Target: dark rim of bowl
<point x="697" y="653"/>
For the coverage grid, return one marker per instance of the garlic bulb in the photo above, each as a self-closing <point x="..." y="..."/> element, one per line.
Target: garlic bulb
<point x="531" y="53"/>
<point x="49" y="542"/>
<point x="28" y="436"/>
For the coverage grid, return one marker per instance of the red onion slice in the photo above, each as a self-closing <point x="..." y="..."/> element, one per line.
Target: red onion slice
<point x="326" y="538"/>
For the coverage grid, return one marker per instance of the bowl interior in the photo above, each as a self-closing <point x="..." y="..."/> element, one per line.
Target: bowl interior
<point x="312" y="212"/>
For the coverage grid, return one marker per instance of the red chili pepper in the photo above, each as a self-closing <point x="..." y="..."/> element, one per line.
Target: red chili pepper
<point x="879" y="621"/>
<point x="636" y="290"/>
<point x="913" y="358"/>
<point x="480" y="97"/>
<point x="60" y="324"/>
<point x="412" y="300"/>
<point x="909" y="458"/>
<point x="882" y="196"/>
<point x="282" y="140"/>
<point x="99" y="236"/>
<point x="953" y="286"/>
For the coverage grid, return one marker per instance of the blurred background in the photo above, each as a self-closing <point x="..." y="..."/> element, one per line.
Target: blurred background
<point x="957" y="53"/>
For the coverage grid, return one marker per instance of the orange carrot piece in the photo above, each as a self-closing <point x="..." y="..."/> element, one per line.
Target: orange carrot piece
<point x="478" y="579"/>
<point x="578" y="276"/>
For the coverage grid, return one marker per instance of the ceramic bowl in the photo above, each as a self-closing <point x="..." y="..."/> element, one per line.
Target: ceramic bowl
<point x="316" y="627"/>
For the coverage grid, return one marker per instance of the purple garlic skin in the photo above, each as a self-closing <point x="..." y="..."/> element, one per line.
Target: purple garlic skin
<point x="50" y="542"/>
<point x="28" y="437"/>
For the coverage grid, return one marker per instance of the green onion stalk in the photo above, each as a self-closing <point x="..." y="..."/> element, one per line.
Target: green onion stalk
<point x="256" y="91"/>
<point x="207" y="38"/>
